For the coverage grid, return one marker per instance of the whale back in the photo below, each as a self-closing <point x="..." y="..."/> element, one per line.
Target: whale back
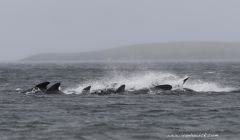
<point x="163" y="87"/>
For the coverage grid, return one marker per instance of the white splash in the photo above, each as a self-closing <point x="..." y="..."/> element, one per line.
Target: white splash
<point x="140" y="80"/>
<point x="202" y="86"/>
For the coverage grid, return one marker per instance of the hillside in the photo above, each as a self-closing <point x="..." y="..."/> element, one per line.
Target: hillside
<point x="185" y="51"/>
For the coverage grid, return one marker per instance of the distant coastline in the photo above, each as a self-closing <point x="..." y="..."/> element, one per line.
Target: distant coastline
<point x="175" y="51"/>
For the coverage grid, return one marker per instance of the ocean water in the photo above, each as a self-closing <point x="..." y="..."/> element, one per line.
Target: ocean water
<point x="211" y="112"/>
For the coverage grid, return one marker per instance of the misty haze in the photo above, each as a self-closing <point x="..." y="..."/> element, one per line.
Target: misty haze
<point x="57" y="26"/>
<point x="119" y="70"/>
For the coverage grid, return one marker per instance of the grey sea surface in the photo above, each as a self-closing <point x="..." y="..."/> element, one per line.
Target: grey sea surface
<point x="212" y="112"/>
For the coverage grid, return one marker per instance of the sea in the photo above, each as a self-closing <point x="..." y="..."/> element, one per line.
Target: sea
<point x="212" y="111"/>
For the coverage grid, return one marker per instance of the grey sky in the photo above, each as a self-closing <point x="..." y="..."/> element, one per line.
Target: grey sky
<point x="36" y="26"/>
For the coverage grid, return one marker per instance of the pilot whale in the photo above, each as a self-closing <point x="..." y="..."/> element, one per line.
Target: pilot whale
<point x="165" y="87"/>
<point x="162" y="87"/>
<point x="86" y="90"/>
<point x="42" y="88"/>
<point x="170" y="87"/>
<point x="108" y="91"/>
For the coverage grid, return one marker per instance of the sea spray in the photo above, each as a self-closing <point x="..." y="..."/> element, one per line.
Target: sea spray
<point x="147" y="79"/>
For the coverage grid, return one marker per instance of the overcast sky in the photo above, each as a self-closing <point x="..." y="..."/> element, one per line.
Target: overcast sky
<point x="37" y="26"/>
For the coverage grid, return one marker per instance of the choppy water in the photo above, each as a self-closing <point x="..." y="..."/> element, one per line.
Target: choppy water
<point x="214" y="110"/>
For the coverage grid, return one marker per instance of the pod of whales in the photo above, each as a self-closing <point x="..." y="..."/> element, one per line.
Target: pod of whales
<point x="43" y="88"/>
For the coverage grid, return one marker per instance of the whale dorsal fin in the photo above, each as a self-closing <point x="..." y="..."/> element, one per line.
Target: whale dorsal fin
<point x="185" y="80"/>
<point x="42" y="86"/>
<point x="54" y="87"/>
<point x="87" y="88"/>
<point x="121" y="89"/>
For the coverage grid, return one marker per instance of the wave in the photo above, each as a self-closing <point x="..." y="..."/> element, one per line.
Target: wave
<point x="147" y="79"/>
